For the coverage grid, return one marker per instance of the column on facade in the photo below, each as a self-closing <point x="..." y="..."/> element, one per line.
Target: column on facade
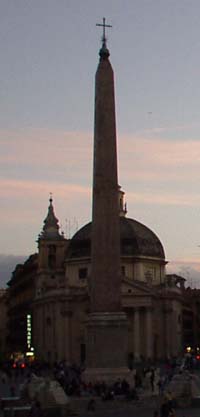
<point x="57" y="332"/>
<point x="54" y="339"/>
<point x="149" y="333"/>
<point x="139" y="272"/>
<point x="136" y="334"/>
<point x="46" y="337"/>
<point x="43" y="350"/>
<point x="66" y="331"/>
<point x="49" y="331"/>
<point x="63" y="330"/>
<point x="168" y="331"/>
<point x="176" y="336"/>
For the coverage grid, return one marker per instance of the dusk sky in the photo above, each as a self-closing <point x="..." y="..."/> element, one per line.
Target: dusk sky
<point x="49" y="55"/>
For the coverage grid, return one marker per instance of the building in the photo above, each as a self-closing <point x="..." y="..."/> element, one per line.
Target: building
<point x="3" y="324"/>
<point x="191" y="320"/>
<point x="54" y="288"/>
<point x="151" y="300"/>
<point x="20" y="295"/>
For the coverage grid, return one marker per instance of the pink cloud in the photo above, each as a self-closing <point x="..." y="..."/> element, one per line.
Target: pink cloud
<point x="43" y="147"/>
<point x="160" y="153"/>
<point x="151" y="171"/>
<point x="17" y="188"/>
<point x="187" y="268"/>
<point x="141" y="159"/>
<point x="143" y="162"/>
<point x="164" y="198"/>
<point x="172" y="128"/>
<point x="186" y="262"/>
<point x="26" y="202"/>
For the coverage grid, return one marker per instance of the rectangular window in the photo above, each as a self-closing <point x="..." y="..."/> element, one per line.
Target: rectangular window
<point x="123" y="270"/>
<point x="82" y="273"/>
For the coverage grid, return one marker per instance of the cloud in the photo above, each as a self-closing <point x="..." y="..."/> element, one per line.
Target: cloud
<point x="153" y="171"/>
<point x="7" y="266"/>
<point x="46" y="155"/>
<point x="74" y="149"/>
<point x="165" y="198"/>
<point x="188" y="269"/>
<point x="172" y="128"/>
<point x="24" y="200"/>
<point x="159" y="171"/>
<point x="61" y="161"/>
<point x="159" y="154"/>
<point x="43" y="147"/>
<point x="68" y="156"/>
<point x="17" y="188"/>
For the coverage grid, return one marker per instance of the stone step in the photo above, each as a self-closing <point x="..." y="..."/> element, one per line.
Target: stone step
<point x="79" y="405"/>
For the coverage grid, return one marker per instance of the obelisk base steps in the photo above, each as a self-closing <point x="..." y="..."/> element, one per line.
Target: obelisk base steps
<point x="108" y="375"/>
<point x="106" y="356"/>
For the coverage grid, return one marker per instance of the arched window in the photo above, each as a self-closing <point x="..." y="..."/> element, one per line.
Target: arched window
<point x="52" y="256"/>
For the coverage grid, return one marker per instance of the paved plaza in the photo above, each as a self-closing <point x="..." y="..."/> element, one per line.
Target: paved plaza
<point x="119" y="407"/>
<point x="189" y="412"/>
<point x="132" y="410"/>
<point x="122" y="408"/>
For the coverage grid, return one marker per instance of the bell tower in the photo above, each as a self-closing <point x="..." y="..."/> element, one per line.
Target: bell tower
<point x="52" y="248"/>
<point x="47" y="328"/>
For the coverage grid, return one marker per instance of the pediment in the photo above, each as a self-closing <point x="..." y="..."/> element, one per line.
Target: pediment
<point x="136" y="288"/>
<point x="136" y="294"/>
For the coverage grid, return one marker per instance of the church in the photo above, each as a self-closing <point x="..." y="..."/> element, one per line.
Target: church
<point x="152" y="304"/>
<point x="148" y="302"/>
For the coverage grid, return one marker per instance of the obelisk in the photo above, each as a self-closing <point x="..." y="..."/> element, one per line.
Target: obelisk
<point x="107" y="338"/>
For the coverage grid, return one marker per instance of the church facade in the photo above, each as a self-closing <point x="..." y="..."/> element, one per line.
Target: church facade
<point x="152" y="302"/>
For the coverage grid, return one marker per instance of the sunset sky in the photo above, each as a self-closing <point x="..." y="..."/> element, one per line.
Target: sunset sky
<point x="49" y="55"/>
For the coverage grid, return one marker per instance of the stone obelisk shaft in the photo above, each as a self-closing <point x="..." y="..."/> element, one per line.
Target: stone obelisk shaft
<point x="106" y="348"/>
<point x="105" y="279"/>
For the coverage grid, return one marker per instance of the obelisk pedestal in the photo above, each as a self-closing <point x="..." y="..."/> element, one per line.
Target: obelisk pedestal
<point x="106" y="347"/>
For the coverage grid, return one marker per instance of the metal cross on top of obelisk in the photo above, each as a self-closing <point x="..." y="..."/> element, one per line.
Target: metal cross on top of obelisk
<point x="104" y="26"/>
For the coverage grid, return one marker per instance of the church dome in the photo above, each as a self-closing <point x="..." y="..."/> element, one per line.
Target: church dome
<point x="136" y="240"/>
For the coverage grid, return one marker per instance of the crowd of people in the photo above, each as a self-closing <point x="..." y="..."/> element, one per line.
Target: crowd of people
<point x="147" y="378"/>
<point x="71" y="378"/>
